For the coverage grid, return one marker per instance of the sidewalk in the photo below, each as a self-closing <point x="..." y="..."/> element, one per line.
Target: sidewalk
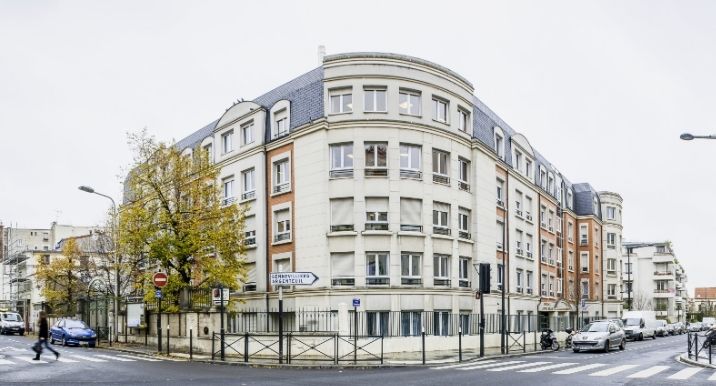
<point x="702" y="360"/>
<point x="405" y="359"/>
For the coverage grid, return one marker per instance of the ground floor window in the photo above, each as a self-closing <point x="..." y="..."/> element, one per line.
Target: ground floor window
<point x="410" y="323"/>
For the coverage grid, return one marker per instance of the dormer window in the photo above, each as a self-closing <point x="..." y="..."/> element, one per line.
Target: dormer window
<point x="518" y="160"/>
<point x="499" y="145"/>
<point x="528" y="168"/>
<point x="280" y="123"/>
<point x="227" y="142"/>
<point x="550" y="184"/>
<point x="542" y="178"/>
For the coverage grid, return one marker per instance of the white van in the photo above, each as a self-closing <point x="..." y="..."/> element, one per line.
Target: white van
<point x="659" y="327"/>
<point x="639" y="325"/>
<point x="11" y="323"/>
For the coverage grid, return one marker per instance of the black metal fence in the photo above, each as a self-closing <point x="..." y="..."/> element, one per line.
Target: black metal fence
<point x="701" y="345"/>
<point x="186" y="299"/>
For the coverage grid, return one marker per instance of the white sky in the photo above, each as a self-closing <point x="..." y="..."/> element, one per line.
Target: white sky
<point x="602" y="89"/>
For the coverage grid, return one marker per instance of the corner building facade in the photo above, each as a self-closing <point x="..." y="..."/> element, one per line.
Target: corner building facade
<point x="385" y="176"/>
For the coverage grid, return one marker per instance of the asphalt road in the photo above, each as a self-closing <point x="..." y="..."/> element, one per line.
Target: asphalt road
<point x="642" y="363"/>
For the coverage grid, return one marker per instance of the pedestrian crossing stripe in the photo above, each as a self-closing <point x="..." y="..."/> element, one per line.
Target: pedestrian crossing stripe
<point x="550" y="367"/>
<point x="66" y="360"/>
<point x="140" y="358"/>
<point x="649" y="372"/>
<point x="91" y="359"/>
<point x="686" y="373"/>
<point x="522" y="366"/>
<point x="489" y="365"/>
<point x="713" y="377"/>
<point x="613" y="370"/>
<point x="461" y="365"/>
<point x="6" y="362"/>
<point x="30" y="360"/>
<point x="580" y="368"/>
<point x="115" y="358"/>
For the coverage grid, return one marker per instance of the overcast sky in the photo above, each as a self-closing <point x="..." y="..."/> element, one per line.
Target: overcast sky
<point x="602" y="89"/>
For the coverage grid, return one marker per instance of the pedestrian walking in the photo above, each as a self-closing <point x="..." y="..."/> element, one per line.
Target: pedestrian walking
<point x="42" y="339"/>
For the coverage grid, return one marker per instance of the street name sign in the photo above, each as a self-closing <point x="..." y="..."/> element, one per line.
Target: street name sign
<point x="293" y="278"/>
<point x="356" y="302"/>
<point x="158" y="294"/>
<point x="160" y="279"/>
<point x="216" y="296"/>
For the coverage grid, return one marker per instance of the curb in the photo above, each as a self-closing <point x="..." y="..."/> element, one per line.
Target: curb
<point x="685" y="359"/>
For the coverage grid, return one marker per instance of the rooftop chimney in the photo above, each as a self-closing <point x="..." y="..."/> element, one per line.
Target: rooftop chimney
<point x="321" y="54"/>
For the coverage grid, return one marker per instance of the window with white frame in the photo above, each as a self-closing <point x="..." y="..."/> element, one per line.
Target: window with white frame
<point x="209" y="149"/>
<point x="281" y="178"/>
<point x="282" y="225"/>
<point x="374" y="100"/>
<point x="441" y="270"/>
<point x="227" y="142"/>
<point x="611" y="213"/>
<point x="464" y="271"/>
<point x="611" y="265"/>
<point x="441" y="218"/>
<point x="411" y="214"/>
<point x="570" y="261"/>
<point x="584" y="261"/>
<point x="342" y="269"/>
<point x="595" y="206"/>
<point x="500" y="236"/>
<point x="543" y="284"/>
<point x="612" y="290"/>
<point x="520" y="280"/>
<point x="583" y="234"/>
<point x="280" y="119"/>
<point x="410" y="160"/>
<point x="378" y="323"/>
<point x="341" y="100"/>
<point x="282" y="265"/>
<point x="500" y="185"/>
<point x="528" y="208"/>
<point x="463" y="174"/>
<point x="570" y="231"/>
<point x="543" y="216"/>
<point x="519" y="243"/>
<point x="499" y="145"/>
<point x="559" y="286"/>
<point x="410" y="323"/>
<point x="376" y="159"/>
<point x="611" y="239"/>
<point x="543" y="253"/>
<point x="528" y="280"/>
<point x="247" y="133"/>
<point x="342" y="214"/>
<point x="441" y="166"/>
<point x="410" y="268"/>
<point x="542" y="178"/>
<point x="376" y="268"/>
<point x="528" y="245"/>
<point x="440" y="109"/>
<point x="519" y="197"/>
<point x="550" y="184"/>
<point x="341" y="160"/>
<point x="376" y="215"/>
<point x="570" y="201"/>
<point x="528" y="168"/>
<point x="518" y="160"/>
<point x="250" y="230"/>
<point x="409" y="102"/>
<point x="463" y="120"/>
<point x="228" y="190"/>
<point x="463" y="222"/>
<point x="248" y="179"/>
<point x="551" y="285"/>
<point x="500" y="276"/>
<point x="585" y="288"/>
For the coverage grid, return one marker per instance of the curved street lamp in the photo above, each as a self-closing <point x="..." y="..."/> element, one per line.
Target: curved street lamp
<point x="690" y="137"/>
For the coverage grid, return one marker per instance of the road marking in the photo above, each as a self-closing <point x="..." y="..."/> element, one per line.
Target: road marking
<point x="140" y="358"/>
<point x="578" y="369"/>
<point x="460" y="365"/>
<point x="30" y="360"/>
<point x="91" y="359"/>
<point x="6" y="362"/>
<point x="66" y="360"/>
<point x="550" y="367"/>
<point x="685" y="373"/>
<point x="115" y="358"/>
<point x="490" y="365"/>
<point x="713" y="377"/>
<point x="613" y="370"/>
<point x="649" y="372"/>
<point x="522" y="366"/>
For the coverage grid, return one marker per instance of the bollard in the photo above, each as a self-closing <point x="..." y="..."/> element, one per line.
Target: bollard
<point x="524" y="342"/>
<point x="146" y="335"/>
<point x="110" y="336"/>
<point x="381" y="349"/>
<point x="167" y="337"/>
<point x="191" y="344"/>
<point x="423" y="345"/>
<point x="459" y="344"/>
<point x="212" y="346"/>
<point x="246" y="347"/>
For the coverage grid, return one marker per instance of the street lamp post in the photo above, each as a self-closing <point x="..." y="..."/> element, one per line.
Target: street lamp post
<point x="89" y="189"/>
<point x="689" y="137"/>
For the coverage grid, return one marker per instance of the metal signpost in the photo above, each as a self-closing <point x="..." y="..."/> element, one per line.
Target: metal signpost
<point x="160" y="280"/>
<point x="356" y="304"/>
<point x="281" y="279"/>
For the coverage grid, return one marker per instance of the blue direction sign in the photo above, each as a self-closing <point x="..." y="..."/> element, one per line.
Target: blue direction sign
<point x="584" y="303"/>
<point x="356" y="302"/>
<point x="158" y="294"/>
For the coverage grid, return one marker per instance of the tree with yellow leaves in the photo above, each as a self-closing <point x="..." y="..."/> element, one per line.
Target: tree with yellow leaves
<point x="174" y="219"/>
<point x="63" y="279"/>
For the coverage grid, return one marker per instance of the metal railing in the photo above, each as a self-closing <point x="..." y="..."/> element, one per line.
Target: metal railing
<point x="696" y="346"/>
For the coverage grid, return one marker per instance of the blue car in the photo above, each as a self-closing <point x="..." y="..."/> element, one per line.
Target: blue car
<point x="70" y="331"/>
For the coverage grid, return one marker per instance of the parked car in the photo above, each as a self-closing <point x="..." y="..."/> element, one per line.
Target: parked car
<point x="659" y="327"/>
<point x="671" y="329"/>
<point x="11" y="323"/>
<point x="618" y="322"/>
<point x="679" y="328"/>
<point x="694" y="326"/>
<point x="601" y="335"/>
<point x="69" y="331"/>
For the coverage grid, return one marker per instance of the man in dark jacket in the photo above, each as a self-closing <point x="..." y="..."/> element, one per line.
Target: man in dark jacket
<point x="43" y="336"/>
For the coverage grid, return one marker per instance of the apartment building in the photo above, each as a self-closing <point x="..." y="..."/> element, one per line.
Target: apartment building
<point x="612" y="242"/>
<point x="385" y="176"/>
<point x="704" y="301"/>
<point x="658" y="281"/>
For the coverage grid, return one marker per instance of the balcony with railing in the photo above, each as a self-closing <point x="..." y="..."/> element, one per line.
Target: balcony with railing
<point x="438" y="230"/>
<point x="660" y="257"/>
<point x="664" y="275"/>
<point x="663" y="293"/>
<point x="441" y="179"/>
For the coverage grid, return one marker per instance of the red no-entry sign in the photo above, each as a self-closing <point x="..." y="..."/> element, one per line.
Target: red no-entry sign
<point x="160" y="279"/>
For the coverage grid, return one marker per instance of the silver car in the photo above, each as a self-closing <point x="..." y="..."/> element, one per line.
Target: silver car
<point x="599" y="336"/>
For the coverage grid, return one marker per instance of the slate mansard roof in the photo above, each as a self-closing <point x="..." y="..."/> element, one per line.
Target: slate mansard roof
<point x="305" y="94"/>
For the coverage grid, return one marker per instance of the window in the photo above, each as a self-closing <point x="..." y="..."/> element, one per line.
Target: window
<point x="518" y="203"/>
<point x="342" y="269"/>
<point x="550" y="184"/>
<point x="500" y="235"/>
<point x="227" y="142"/>
<point x="228" y="190"/>
<point x="249" y="185"/>
<point x="569" y="199"/>
<point x="410" y="161"/>
<point x="543" y="251"/>
<point x="528" y="276"/>
<point x="518" y="160"/>
<point x="282" y="265"/>
<point x="441" y="218"/>
<point x="209" y="149"/>
<point x="528" y="245"/>
<point x="378" y="324"/>
<point x="409" y="102"/>
<point x="411" y="214"/>
<point x="612" y="290"/>
<point x="341" y="214"/>
<point x="441" y="323"/>
<point x="528" y="168"/>
<point x="584" y="261"/>
<point x="464" y="271"/>
<point x="280" y="127"/>
<point x="583" y="234"/>
<point x="542" y="178"/>
<point x="543" y="284"/>
<point x="440" y="110"/>
<point x="611" y="265"/>
<point x="611" y="240"/>
<point x="463" y="173"/>
<point x="463" y="120"/>
<point x="410" y="323"/>
<point x="376" y="215"/>
<point x="441" y="163"/>
<point x="341" y="160"/>
<point x="441" y="270"/>
<point x="528" y="208"/>
<point x="376" y="268"/>
<point x="376" y="159"/>
<point x="410" y="268"/>
<point x="500" y="192"/>
<point x="499" y="146"/>
<point x="596" y="263"/>
<point x="281" y="176"/>
<point x="595" y="206"/>
<point x="500" y="276"/>
<point x="570" y="261"/>
<point x="463" y="222"/>
<point x="247" y="133"/>
<point x="570" y="231"/>
<point x="341" y="101"/>
<point x="519" y="242"/>
<point x="374" y="100"/>
<point x="250" y="230"/>
<point x="282" y="227"/>
<point x="585" y="289"/>
<point x="520" y="284"/>
<point x="543" y="216"/>
<point x="551" y="285"/>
